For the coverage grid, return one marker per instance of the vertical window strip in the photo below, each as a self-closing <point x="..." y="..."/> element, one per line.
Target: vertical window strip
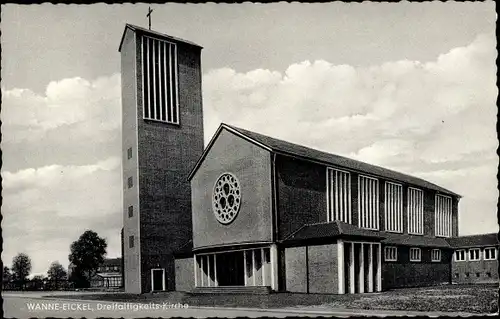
<point x="336" y="195"/>
<point x="163" y="83"/>
<point x="339" y="195"/>
<point x="150" y="78"/>
<point x="145" y="89"/>
<point x="159" y="80"/>
<point x="176" y="87"/>
<point x="328" y="190"/>
<point x="169" y="81"/>
<point x="368" y="203"/>
<point x="154" y="70"/>
<point x="393" y="207"/>
<point x="349" y="197"/>
<point x="415" y="211"/>
<point x="332" y="192"/>
<point x="360" y="213"/>
<point x="443" y="213"/>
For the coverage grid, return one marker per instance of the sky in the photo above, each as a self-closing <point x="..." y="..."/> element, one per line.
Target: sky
<point x="408" y="86"/>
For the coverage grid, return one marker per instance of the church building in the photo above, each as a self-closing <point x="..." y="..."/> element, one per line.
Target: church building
<point x="252" y="213"/>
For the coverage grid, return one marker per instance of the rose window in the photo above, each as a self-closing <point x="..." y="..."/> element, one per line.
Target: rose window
<point x="226" y="198"/>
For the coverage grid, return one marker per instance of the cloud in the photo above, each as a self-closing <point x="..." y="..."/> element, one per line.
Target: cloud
<point x="419" y="118"/>
<point x="61" y="168"/>
<point x="47" y="208"/>
<point x="76" y="122"/>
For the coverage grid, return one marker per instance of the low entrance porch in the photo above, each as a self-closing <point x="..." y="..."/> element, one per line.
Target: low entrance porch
<point x="253" y="267"/>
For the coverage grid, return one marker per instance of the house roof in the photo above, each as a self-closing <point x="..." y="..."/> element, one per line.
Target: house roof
<point x="154" y="34"/>
<point x="112" y="262"/>
<point x="481" y="240"/>
<point x="310" y="154"/>
<point x="108" y="274"/>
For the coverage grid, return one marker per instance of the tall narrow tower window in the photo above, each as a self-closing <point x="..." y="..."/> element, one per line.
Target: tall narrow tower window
<point x="159" y="80"/>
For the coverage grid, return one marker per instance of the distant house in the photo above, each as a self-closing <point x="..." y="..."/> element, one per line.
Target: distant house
<point x="109" y="274"/>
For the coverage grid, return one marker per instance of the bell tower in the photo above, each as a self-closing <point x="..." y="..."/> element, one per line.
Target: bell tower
<point x="162" y="138"/>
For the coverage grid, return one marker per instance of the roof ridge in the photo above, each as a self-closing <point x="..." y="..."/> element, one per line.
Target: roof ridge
<point x="134" y="28"/>
<point x="358" y="162"/>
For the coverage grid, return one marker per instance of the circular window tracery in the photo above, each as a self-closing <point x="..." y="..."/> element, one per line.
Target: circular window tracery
<point x="226" y="198"/>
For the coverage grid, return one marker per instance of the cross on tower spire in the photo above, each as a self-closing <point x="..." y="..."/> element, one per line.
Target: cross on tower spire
<point x="149" y="16"/>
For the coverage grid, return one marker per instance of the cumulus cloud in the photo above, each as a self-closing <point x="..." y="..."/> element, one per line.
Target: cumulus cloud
<point x="426" y="119"/>
<point x="74" y="120"/>
<point x="47" y="208"/>
<point x="61" y="168"/>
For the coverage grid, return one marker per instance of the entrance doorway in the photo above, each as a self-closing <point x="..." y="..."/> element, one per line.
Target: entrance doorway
<point x="158" y="279"/>
<point x="230" y="269"/>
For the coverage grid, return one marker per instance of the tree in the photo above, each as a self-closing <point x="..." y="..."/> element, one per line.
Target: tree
<point x="6" y="278"/>
<point x="37" y="282"/>
<point x="21" y="268"/>
<point x="87" y="253"/>
<point x="78" y="280"/>
<point x="56" y="274"/>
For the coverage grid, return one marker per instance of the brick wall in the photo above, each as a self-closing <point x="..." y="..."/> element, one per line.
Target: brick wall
<point x="301" y="194"/>
<point x="478" y="271"/>
<point x="296" y="269"/>
<point x="184" y="274"/>
<point x="322" y="265"/>
<point x="404" y="273"/>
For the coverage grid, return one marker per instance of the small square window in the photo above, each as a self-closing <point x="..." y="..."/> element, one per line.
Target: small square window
<point x="130" y="182"/>
<point x="415" y="254"/>
<point x="474" y="254"/>
<point x="490" y="253"/>
<point x="460" y="255"/>
<point x="129" y="153"/>
<point x="435" y="255"/>
<point x="130" y="211"/>
<point x="477" y="274"/>
<point x="131" y="242"/>
<point x="390" y="253"/>
<point x="488" y="274"/>
<point x="467" y="275"/>
<point x="456" y="275"/>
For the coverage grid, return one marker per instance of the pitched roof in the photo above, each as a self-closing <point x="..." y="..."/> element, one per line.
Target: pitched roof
<point x="108" y="274"/>
<point x="287" y="148"/>
<point x="480" y="240"/>
<point x="155" y="34"/>
<point x="112" y="262"/>
<point x="330" y="230"/>
<point x="338" y="229"/>
<point x="414" y="240"/>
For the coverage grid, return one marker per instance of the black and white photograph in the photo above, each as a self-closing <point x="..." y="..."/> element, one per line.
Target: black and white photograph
<point x="249" y="159"/>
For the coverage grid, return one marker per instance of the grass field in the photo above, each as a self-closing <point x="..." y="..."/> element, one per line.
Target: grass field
<point x="447" y="298"/>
